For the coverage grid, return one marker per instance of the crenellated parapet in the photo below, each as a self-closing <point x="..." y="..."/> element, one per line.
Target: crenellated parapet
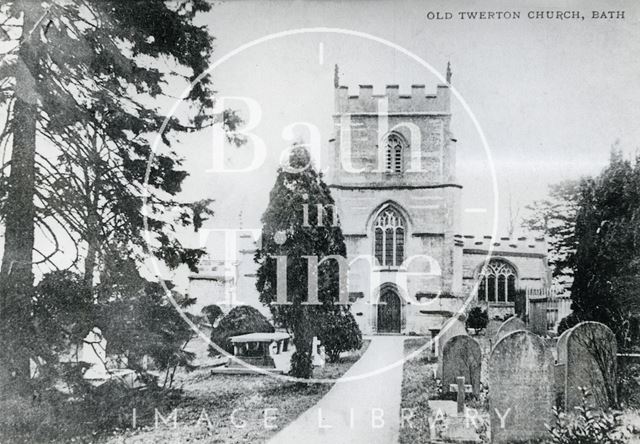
<point x="502" y="245"/>
<point x="415" y="103"/>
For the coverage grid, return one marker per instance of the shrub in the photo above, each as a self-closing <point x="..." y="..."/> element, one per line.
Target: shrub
<point x="629" y="383"/>
<point x="586" y="427"/>
<point x="212" y="313"/>
<point x="568" y="322"/>
<point x="338" y="331"/>
<point x="239" y="321"/>
<point x="478" y="319"/>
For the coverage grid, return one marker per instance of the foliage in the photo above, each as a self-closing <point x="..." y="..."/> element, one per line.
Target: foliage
<point x="63" y="309"/>
<point x="477" y="319"/>
<point x="418" y="386"/>
<point x="586" y="427"/>
<point x="338" y="332"/>
<point x="607" y="260"/>
<point x="240" y="320"/>
<point x="555" y="218"/>
<point x="628" y="383"/>
<point x="105" y="409"/>
<point x="81" y="91"/>
<point x="145" y="323"/>
<point x="134" y="316"/>
<point x="212" y="313"/>
<point x="593" y="230"/>
<point x="568" y="322"/>
<point x="284" y="233"/>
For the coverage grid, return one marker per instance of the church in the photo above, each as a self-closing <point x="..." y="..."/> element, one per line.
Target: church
<point x="393" y="177"/>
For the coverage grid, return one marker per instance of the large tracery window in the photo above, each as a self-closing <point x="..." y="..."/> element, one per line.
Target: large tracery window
<point x="497" y="282"/>
<point x="393" y="154"/>
<point x="389" y="238"/>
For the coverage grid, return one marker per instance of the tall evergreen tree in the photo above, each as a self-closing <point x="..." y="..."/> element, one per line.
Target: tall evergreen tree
<point x="85" y="79"/>
<point x="555" y="218"/>
<point x="288" y="232"/>
<point x="607" y="258"/>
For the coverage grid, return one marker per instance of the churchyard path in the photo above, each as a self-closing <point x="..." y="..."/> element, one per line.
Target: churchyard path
<point x="364" y="410"/>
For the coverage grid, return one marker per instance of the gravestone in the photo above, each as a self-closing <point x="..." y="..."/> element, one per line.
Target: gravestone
<point x="510" y="325"/>
<point x="94" y="352"/>
<point x="591" y="363"/>
<point x="317" y="353"/>
<point x="492" y="328"/>
<point x="521" y="388"/>
<point x="561" y="347"/>
<point x="560" y="367"/>
<point x="461" y="356"/>
<point x="450" y="328"/>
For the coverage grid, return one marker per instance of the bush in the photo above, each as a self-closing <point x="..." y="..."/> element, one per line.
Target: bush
<point x="586" y="427"/>
<point x="478" y="319"/>
<point x="212" y="313"/>
<point x="629" y="384"/>
<point x="568" y="322"/>
<point x="239" y="321"/>
<point x="338" y="331"/>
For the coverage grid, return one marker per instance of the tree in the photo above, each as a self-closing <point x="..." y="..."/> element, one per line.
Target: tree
<point x="138" y="321"/>
<point x="285" y="233"/>
<point x="84" y="81"/>
<point x="607" y="258"/>
<point x="555" y="218"/>
<point x="212" y="313"/>
<point x="478" y="319"/>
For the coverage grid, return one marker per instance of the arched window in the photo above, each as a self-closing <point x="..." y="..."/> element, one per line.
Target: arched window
<point x="389" y="238"/>
<point x="497" y="282"/>
<point x="393" y="154"/>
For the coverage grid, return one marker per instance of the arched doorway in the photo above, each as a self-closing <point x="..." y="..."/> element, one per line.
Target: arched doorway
<point x="389" y="311"/>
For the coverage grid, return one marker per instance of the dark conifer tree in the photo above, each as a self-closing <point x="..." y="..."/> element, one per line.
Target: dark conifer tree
<point x="85" y="81"/>
<point x="288" y="232"/>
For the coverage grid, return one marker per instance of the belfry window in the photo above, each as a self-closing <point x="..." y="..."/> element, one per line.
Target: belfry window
<point x="389" y="232"/>
<point x="497" y="282"/>
<point x="393" y="153"/>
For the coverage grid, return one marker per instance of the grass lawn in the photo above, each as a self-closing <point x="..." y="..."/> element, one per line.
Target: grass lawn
<point x="203" y="413"/>
<point x="417" y="386"/>
<point x="218" y="396"/>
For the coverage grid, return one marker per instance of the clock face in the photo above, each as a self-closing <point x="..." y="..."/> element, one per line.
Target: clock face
<point x="299" y="162"/>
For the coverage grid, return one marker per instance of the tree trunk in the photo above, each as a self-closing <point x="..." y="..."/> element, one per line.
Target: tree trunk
<point x="16" y="271"/>
<point x="93" y="218"/>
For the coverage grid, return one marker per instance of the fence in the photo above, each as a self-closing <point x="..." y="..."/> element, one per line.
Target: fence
<point x="545" y="309"/>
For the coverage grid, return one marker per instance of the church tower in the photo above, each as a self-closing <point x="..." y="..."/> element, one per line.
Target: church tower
<point x="392" y="174"/>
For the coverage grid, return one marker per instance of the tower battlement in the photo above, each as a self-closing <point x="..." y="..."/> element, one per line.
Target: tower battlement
<point x="415" y="103"/>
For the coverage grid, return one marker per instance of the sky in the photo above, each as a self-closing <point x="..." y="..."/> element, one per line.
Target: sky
<point x="551" y="96"/>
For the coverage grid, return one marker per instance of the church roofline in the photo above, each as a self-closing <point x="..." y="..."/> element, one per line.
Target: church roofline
<point x="394" y="187"/>
<point x="505" y="245"/>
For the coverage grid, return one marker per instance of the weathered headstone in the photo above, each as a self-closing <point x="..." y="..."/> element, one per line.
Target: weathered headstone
<point x="94" y="352"/>
<point x="521" y="388"/>
<point x="561" y="347"/>
<point x="492" y="328"/>
<point x="510" y="325"/>
<point x="316" y="353"/>
<point x="450" y="328"/>
<point x="560" y="367"/>
<point x="590" y="363"/>
<point x="461" y="356"/>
